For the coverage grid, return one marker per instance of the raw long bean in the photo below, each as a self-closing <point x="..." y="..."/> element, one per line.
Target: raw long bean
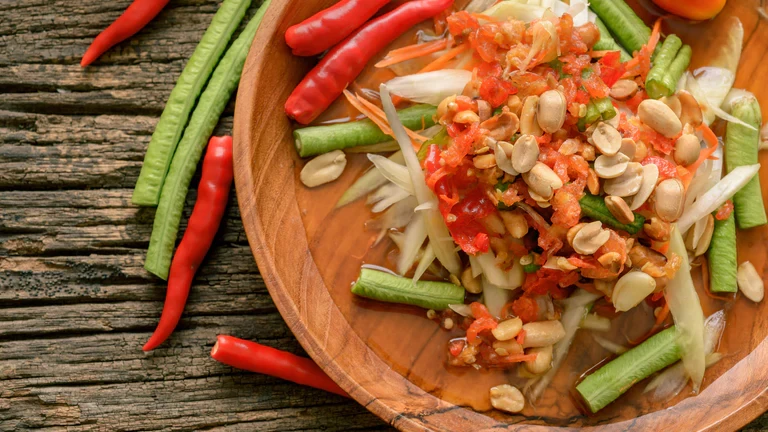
<point x="315" y="140"/>
<point x="677" y="68"/>
<point x="630" y="31"/>
<point x="608" y="43"/>
<point x="215" y="97"/>
<point x="182" y="99"/>
<point x="655" y="84"/>
<point x="721" y="256"/>
<point x="390" y="288"/>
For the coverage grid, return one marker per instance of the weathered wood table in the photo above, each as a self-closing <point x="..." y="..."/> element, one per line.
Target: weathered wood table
<point x="75" y="302"/>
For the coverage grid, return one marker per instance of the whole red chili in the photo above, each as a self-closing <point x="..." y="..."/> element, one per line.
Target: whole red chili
<point x="330" y="26"/>
<point x="254" y="357"/>
<point x="342" y="64"/>
<point x="212" y="196"/>
<point x="135" y="17"/>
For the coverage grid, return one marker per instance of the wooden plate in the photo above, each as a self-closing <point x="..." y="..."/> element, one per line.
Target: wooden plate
<point x="389" y="358"/>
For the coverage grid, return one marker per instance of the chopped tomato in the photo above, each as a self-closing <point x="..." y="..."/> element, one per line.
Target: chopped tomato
<point x="461" y="145"/>
<point x="463" y="221"/>
<point x="725" y="211"/>
<point x="634" y="102"/>
<point x="526" y="309"/>
<point x="486" y="69"/>
<point x="549" y="281"/>
<point x="667" y="168"/>
<point x="495" y="91"/>
<point x="456" y="346"/>
<point x="611" y="68"/>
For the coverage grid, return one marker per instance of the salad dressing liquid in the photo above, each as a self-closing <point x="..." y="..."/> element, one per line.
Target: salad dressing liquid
<point x="416" y="347"/>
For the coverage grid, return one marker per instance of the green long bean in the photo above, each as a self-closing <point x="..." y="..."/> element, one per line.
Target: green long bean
<point x="630" y="31"/>
<point x="378" y="285"/>
<point x="655" y="84"/>
<point x="677" y="69"/>
<point x="741" y="146"/>
<point x="212" y="102"/>
<point x="182" y="99"/>
<point x="315" y="140"/>
<point x="721" y="256"/>
<point x="594" y="207"/>
<point x="608" y="43"/>
<point x="612" y="380"/>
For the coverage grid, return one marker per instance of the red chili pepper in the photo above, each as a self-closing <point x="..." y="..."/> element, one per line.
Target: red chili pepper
<point x="342" y="64"/>
<point x="212" y="195"/>
<point x="328" y="27"/>
<point x="254" y="357"/>
<point x="135" y="17"/>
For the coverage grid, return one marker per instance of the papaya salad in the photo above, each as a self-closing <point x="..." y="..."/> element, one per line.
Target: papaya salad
<point x="535" y="164"/>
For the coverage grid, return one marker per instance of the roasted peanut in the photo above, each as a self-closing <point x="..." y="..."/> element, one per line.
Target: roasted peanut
<point x="542" y="333"/>
<point x="690" y="111"/>
<point x="507" y="398"/>
<point x="593" y="182"/>
<point x="484" y="110"/>
<point x="569" y="147"/>
<point x="624" y="90"/>
<point x="515" y="104"/>
<point x="573" y="231"/>
<point x="542" y="362"/>
<point x="648" y="183"/>
<point x="471" y="284"/>
<point x="551" y="111"/>
<point x="619" y="209"/>
<point x="466" y="117"/>
<point x="641" y="255"/>
<point x="525" y="153"/>
<point x="542" y="180"/>
<point x="687" y="149"/>
<point x="507" y="329"/>
<point x="484" y="161"/>
<point x="323" y="169"/>
<point x="659" y="117"/>
<point x="631" y="289"/>
<point x="503" y="155"/>
<point x="609" y="167"/>
<point x="528" y="123"/>
<point x="515" y="223"/>
<point x="628" y="147"/>
<point x="502" y="127"/>
<point x="669" y="199"/>
<point x="749" y="281"/>
<point x="590" y="237"/>
<point x="507" y="347"/>
<point x="626" y="184"/>
<point x="656" y="229"/>
<point x="607" y="139"/>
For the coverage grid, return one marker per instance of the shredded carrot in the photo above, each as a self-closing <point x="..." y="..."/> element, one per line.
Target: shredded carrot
<point x="412" y="51"/>
<point x="711" y="139"/>
<point x="640" y="64"/>
<point x="663" y="314"/>
<point x="377" y="116"/>
<point x="596" y="54"/>
<point x="521" y="337"/>
<point x="443" y="60"/>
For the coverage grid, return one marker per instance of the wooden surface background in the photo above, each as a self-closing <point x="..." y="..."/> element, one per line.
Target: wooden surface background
<point x="75" y="303"/>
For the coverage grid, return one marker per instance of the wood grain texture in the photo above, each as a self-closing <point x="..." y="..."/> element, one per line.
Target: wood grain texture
<point x="274" y="210"/>
<point x="75" y="302"/>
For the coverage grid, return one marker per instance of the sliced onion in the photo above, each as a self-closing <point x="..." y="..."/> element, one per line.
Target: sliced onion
<point x="715" y="83"/>
<point x="510" y="280"/>
<point x="415" y="234"/>
<point x="385" y="196"/>
<point x="609" y="346"/>
<point x="692" y="85"/>
<point x="430" y="87"/>
<point x="494" y="297"/>
<point x="477" y="270"/>
<point x="719" y="194"/>
<point x="579" y="11"/>
<point x="426" y="260"/>
<point x="394" y="172"/>
<point x="461" y="309"/>
<point x="685" y="307"/>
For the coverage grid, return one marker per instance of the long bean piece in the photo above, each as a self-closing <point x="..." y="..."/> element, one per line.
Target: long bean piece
<point x="608" y="43"/>
<point x="182" y="99"/>
<point x="677" y="68"/>
<point x="315" y="140"/>
<point x="654" y="84"/>
<point x="215" y="97"/>
<point x="630" y="31"/>
<point x="741" y="145"/>
<point x="612" y="380"/>
<point x="386" y="287"/>
<point x="721" y="256"/>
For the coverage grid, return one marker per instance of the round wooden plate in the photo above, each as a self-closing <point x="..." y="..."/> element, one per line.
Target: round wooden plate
<point x="308" y="253"/>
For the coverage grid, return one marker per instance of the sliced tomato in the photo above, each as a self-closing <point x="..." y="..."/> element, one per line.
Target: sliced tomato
<point x="725" y="211"/>
<point x="667" y="168"/>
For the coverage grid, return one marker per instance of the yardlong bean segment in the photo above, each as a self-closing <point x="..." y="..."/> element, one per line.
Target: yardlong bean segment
<point x="215" y="97"/>
<point x="182" y="99"/>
